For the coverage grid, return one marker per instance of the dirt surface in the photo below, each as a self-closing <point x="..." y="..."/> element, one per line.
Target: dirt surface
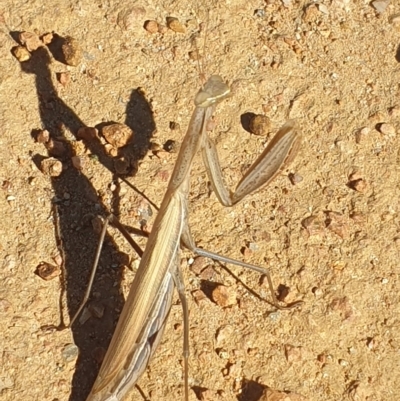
<point x="328" y="227"/>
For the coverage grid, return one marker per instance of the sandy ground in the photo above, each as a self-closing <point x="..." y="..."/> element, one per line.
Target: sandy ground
<point x="331" y="237"/>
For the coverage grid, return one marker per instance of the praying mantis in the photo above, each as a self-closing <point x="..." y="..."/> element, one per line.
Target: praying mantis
<point x="142" y="321"/>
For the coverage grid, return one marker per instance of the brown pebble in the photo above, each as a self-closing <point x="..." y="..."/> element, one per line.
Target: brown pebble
<point x="295" y="178"/>
<point x="47" y="38"/>
<point x="198" y="265"/>
<point x="208" y="274"/>
<point x="387" y="129"/>
<point x="224" y="335"/>
<point x="194" y="55"/>
<point x="87" y="133"/>
<point x="71" y="51"/>
<point x="359" y="185"/>
<point x="51" y="167"/>
<point x="97" y="310"/>
<point x="362" y="133"/>
<point x="20" y="53"/>
<point x="292" y="354"/>
<point x="98" y="354"/>
<point x="131" y="19"/>
<point x="110" y="150"/>
<point x="311" y="13"/>
<point x="260" y="125"/>
<point x="394" y="111"/>
<point x="175" y="25"/>
<point x="58" y="259"/>
<point x="337" y="224"/>
<point x="343" y="307"/>
<point x="356" y="175"/>
<point x="224" y="296"/>
<point x="43" y="136"/>
<point x="357" y="217"/>
<point x="56" y="148"/>
<point x="313" y="225"/>
<point x="198" y="296"/>
<point x="5" y="306"/>
<point x="117" y="134"/>
<point x="273" y="395"/>
<point x="151" y="26"/>
<point x="170" y="146"/>
<point x="30" y="40"/>
<point x="173" y="126"/>
<point x="85" y="316"/>
<point x="78" y="162"/>
<point x="121" y="166"/>
<point x="64" y="78"/>
<point x="97" y="224"/>
<point x="47" y="272"/>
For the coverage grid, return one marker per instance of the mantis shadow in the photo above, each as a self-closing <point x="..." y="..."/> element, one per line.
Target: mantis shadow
<point x="75" y="205"/>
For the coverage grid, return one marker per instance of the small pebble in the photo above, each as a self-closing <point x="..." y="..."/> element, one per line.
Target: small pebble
<point x="395" y="19"/>
<point x="98" y="354"/>
<point x="370" y="343"/>
<point x="56" y="148"/>
<point x="313" y="225"/>
<point x="173" y="126"/>
<point x="387" y="129"/>
<point x="359" y="185"/>
<point x="110" y="150"/>
<point x="78" y="162"/>
<point x="292" y="354"/>
<point x="117" y="134"/>
<point x="43" y="136"/>
<point x="30" y="40"/>
<point x="64" y="78"/>
<point x="87" y="133"/>
<point x="121" y="166"/>
<point x="5" y="306"/>
<point x="131" y="19"/>
<point x="362" y="133"/>
<point x="151" y="26"/>
<point x="170" y="146"/>
<point x="337" y="224"/>
<point x="380" y="5"/>
<point x="199" y="264"/>
<point x="71" y="51"/>
<point x="194" y="55"/>
<point x="260" y="125"/>
<point x="175" y="25"/>
<point x="58" y="259"/>
<point x="97" y="224"/>
<point x="20" y="53"/>
<point x="85" y="316"/>
<point x="274" y="395"/>
<point x="295" y="178"/>
<point x="47" y="272"/>
<point x="394" y="111"/>
<point x="224" y="334"/>
<point x="208" y="274"/>
<point x="323" y="9"/>
<point x="47" y="38"/>
<point x="311" y="13"/>
<point x="51" y="167"/>
<point x="198" y="296"/>
<point x="357" y="217"/>
<point x="97" y="310"/>
<point x="70" y="352"/>
<point x="224" y="296"/>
